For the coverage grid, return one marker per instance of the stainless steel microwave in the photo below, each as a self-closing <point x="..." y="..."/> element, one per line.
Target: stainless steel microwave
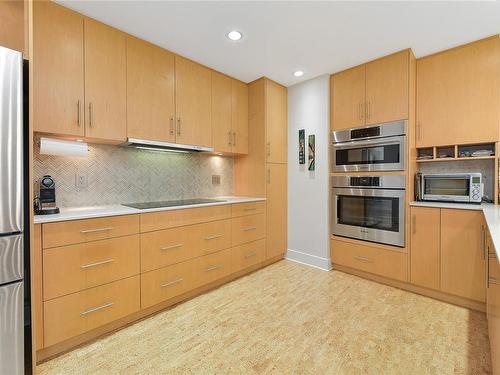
<point x="372" y="148"/>
<point x="449" y="187"/>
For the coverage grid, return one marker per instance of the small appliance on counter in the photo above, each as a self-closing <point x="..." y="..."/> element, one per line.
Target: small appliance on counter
<point x="45" y="203"/>
<point x="449" y="187"/>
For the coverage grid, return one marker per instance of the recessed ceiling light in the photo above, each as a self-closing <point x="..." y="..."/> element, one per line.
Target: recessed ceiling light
<point x="234" y="35"/>
<point x="298" y="73"/>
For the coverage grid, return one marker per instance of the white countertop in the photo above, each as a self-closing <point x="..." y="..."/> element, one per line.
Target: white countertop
<point x="491" y="214"/>
<point x="78" y="213"/>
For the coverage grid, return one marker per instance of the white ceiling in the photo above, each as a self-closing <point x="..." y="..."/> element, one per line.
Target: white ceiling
<point x="283" y="36"/>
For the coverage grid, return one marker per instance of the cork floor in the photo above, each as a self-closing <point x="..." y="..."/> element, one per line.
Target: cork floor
<point x="293" y="319"/>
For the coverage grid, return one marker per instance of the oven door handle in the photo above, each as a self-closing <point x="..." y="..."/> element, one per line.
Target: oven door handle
<point x="369" y="142"/>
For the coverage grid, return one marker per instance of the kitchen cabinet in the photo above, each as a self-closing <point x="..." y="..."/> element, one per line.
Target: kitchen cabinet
<point x="493" y="303"/>
<point x="239" y="116"/>
<point x="276" y="122"/>
<point x="463" y="263"/>
<point x="456" y="90"/>
<point x="221" y="113"/>
<point x="425" y="247"/>
<point x="12" y="27"/>
<point x="372" y="93"/>
<point x="150" y="92"/>
<point x="347" y="91"/>
<point x="105" y="82"/>
<point x="58" y="70"/>
<point x="277" y="225"/>
<point x="193" y="88"/>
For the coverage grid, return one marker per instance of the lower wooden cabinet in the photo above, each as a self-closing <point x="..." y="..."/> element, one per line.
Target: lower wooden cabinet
<point x="168" y="282"/>
<point x="77" y="313"/>
<point x="248" y="228"/>
<point x="248" y="255"/>
<point x="448" y="251"/>
<point x="277" y="213"/>
<point x="493" y="304"/>
<point x="372" y="259"/>
<point x="212" y="267"/>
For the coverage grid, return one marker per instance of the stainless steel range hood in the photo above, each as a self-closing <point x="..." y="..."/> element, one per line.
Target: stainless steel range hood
<point x="164" y="146"/>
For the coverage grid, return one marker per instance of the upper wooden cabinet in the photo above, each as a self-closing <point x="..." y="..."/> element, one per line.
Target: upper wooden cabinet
<point x="229" y="114"/>
<point x="239" y="116"/>
<point x="276" y="122"/>
<point x="347" y="95"/>
<point x="193" y="88"/>
<point x="12" y="27"/>
<point x="371" y="93"/>
<point x="458" y="92"/>
<point x="58" y="86"/>
<point x="105" y="82"/>
<point x="221" y="113"/>
<point x="150" y="92"/>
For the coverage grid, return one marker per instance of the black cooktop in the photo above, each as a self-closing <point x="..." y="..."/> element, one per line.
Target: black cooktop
<point x="173" y="203"/>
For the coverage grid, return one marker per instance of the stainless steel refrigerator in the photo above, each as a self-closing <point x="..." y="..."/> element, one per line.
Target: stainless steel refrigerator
<point x="12" y="235"/>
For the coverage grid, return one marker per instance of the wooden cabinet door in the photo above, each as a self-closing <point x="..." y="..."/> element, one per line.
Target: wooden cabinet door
<point x="239" y="116"/>
<point x="493" y="311"/>
<point x="150" y="92"/>
<point x="221" y="113"/>
<point x="463" y="262"/>
<point x="193" y="90"/>
<point x="276" y="122"/>
<point x="58" y="87"/>
<point x="276" y="232"/>
<point x="347" y="96"/>
<point x="105" y="82"/>
<point x="458" y="92"/>
<point x="387" y="88"/>
<point x="12" y="27"/>
<point x="424" y="252"/>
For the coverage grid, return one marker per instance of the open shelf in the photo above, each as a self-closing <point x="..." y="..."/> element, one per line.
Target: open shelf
<point x="456" y="153"/>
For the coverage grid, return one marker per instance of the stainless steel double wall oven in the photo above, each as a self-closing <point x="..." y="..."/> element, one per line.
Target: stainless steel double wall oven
<point x="370" y="207"/>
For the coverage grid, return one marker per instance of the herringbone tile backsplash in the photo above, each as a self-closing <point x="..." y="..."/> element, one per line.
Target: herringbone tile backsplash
<point x="121" y="175"/>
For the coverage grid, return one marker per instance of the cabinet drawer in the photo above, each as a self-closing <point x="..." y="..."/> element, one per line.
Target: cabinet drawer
<point x="248" y="228"/>
<point x="494" y="268"/>
<point x="366" y="258"/>
<point x="176" y="218"/>
<point x="212" y="267"/>
<point x="248" y="208"/>
<point x="247" y="255"/>
<point x="212" y="237"/>
<point x="78" y="231"/>
<point x="69" y="269"/>
<point x="160" y="285"/>
<point x="166" y="247"/>
<point x="77" y="313"/>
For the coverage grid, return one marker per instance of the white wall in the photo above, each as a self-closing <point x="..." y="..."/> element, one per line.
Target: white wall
<point x="308" y="195"/>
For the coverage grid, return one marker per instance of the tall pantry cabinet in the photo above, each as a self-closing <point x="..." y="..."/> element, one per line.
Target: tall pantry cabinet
<point x="263" y="172"/>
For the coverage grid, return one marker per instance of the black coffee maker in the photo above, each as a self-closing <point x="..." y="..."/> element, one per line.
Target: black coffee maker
<point x="45" y="203"/>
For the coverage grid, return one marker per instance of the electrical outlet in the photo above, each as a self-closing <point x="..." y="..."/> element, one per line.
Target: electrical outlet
<point x="81" y="181"/>
<point x="216" y="179"/>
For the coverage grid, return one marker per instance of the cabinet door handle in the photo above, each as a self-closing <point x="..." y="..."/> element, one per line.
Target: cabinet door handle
<point x="413" y="224"/>
<point x="492" y="280"/>
<point x="172" y="283"/>
<point x="171" y="247"/>
<point x="363" y="259"/>
<point x="268" y="148"/>
<point x="369" y="110"/>
<point x="215" y="236"/>
<point x="360" y="109"/>
<point x="250" y="255"/>
<point x="78" y="109"/>
<point x="171" y="125"/>
<point x="268" y="176"/>
<point x="234" y="138"/>
<point x="229" y="142"/>
<point x="483" y="241"/>
<point x="250" y="209"/>
<point x="92" y="265"/>
<point x="94" y="309"/>
<point x="249" y="229"/>
<point x="178" y="125"/>
<point x="85" y="231"/>
<point x="91" y="115"/>
<point x="213" y="268"/>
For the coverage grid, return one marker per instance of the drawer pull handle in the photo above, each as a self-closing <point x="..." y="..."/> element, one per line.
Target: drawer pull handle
<point x="491" y="280"/>
<point x="250" y="209"/>
<point x="249" y="229"/>
<point x="94" y="309"/>
<point x="91" y="265"/>
<point x="213" y="268"/>
<point x="172" y="246"/>
<point x="172" y="283"/>
<point x="213" y="237"/>
<point x="251" y="255"/>
<point x="96" y="230"/>
<point x="363" y="259"/>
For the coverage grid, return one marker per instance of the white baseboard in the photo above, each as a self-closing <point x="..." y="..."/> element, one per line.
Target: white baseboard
<point x="309" y="260"/>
